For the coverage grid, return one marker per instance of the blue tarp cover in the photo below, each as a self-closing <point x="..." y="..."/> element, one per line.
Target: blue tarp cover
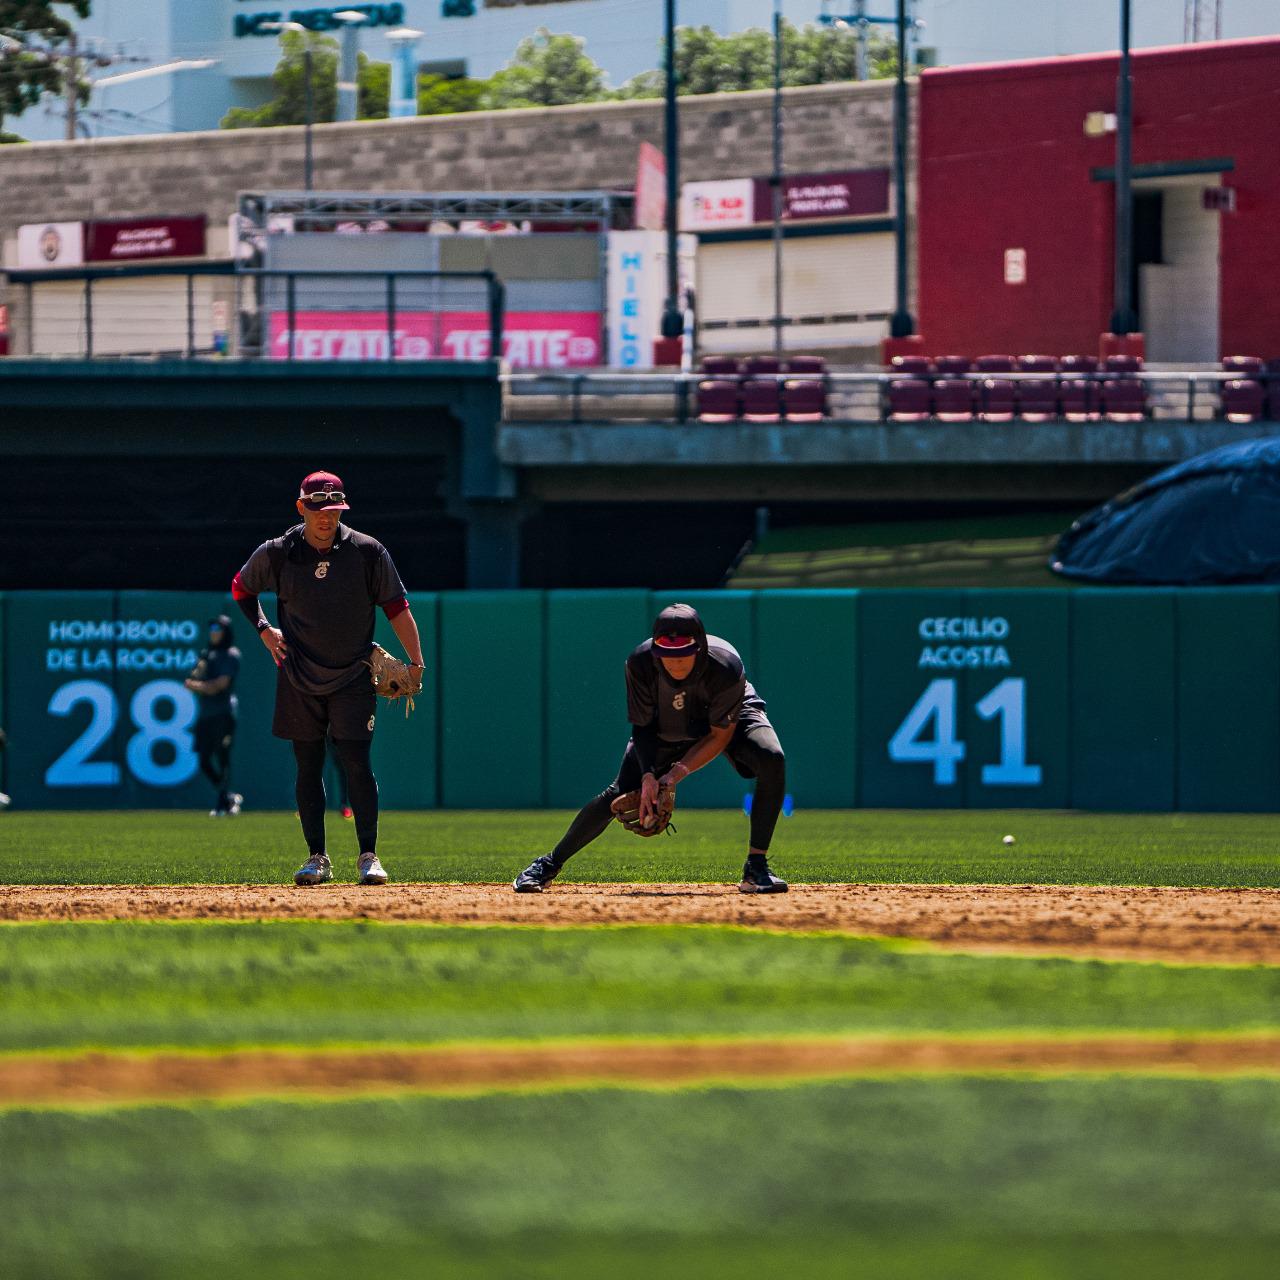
<point x="1212" y="519"/>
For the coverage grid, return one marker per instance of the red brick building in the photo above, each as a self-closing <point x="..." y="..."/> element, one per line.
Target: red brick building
<point x="1016" y="203"/>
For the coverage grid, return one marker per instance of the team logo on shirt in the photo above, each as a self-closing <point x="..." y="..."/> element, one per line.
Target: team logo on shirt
<point x="322" y="569"/>
<point x="678" y="701"/>
<point x="371" y="720"/>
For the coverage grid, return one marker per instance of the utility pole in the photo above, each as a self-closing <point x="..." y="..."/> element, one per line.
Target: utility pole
<point x="71" y="85"/>
<point x="672" y="320"/>
<point x="776" y="179"/>
<point x="1123" y="319"/>
<point x="1201" y="20"/>
<point x="901" y="324"/>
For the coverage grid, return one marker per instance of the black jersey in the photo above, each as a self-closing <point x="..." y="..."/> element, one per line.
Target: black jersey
<point x="326" y="603"/>
<point x="213" y="664"/>
<point x="716" y="695"/>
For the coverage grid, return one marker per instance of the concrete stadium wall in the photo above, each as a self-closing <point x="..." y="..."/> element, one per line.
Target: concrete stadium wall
<point x="591" y="146"/>
<point x="1096" y="699"/>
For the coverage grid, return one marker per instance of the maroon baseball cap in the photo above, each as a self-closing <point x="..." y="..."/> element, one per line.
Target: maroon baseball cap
<point x="323" y="491"/>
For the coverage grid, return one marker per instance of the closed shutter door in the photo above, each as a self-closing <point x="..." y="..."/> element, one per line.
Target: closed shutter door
<point x="129" y="317"/>
<point x="839" y="289"/>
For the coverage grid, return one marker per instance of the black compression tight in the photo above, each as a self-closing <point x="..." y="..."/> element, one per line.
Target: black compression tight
<point x="363" y="787"/>
<point x="215" y="764"/>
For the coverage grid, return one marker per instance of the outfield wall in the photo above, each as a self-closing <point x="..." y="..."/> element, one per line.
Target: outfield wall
<point x="1092" y="699"/>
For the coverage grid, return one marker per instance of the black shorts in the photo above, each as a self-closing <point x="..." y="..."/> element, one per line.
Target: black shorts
<point x="754" y="735"/>
<point x="212" y="732"/>
<point x="347" y="715"/>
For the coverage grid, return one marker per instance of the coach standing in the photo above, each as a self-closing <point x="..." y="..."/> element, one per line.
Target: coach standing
<point x="328" y="580"/>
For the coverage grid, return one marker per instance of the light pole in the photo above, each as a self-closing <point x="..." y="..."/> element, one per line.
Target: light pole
<point x="901" y="324"/>
<point x="672" y="321"/>
<point x="404" y="72"/>
<point x="309" y="117"/>
<point x="776" y="180"/>
<point x="349" y="62"/>
<point x="1123" y="319"/>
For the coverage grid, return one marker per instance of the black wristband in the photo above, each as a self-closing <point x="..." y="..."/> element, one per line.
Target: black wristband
<point x="263" y="625"/>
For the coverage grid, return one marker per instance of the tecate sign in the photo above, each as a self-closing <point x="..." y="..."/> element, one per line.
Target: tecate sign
<point x="530" y="339"/>
<point x="705" y="206"/>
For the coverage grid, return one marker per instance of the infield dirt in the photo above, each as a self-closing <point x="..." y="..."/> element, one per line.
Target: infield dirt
<point x="1223" y="926"/>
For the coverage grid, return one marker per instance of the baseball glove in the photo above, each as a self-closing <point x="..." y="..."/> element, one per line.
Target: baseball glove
<point x="392" y="678"/>
<point x="626" y="808"/>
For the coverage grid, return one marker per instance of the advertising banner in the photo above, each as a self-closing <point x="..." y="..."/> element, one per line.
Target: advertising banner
<point x="851" y="193"/>
<point x="530" y="340"/>
<point x="50" y="244"/>
<point x="651" y="189"/>
<point x="711" y="206"/>
<point x="635" y="296"/>
<point x="138" y="239"/>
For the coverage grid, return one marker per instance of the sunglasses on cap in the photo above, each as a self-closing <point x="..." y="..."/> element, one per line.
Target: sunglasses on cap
<point x="324" y="495"/>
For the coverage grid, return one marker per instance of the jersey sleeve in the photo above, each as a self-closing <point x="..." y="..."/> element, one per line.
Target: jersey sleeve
<point x="642" y="702"/>
<point x="386" y="584"/>
<point x="726" y="705"/>
<point x="257" y="576"/>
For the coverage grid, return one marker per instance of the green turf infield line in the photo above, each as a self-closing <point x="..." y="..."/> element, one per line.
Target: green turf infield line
<point x="816" y="846"/>
<point x="127" y="985"/>
<point x="955" y="1177"/>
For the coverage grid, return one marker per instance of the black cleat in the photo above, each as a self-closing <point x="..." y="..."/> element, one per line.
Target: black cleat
<point x="759" y="879"/>
<point x="536" y="876"/>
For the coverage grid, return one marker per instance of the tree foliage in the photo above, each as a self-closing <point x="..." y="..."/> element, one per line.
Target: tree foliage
<point x="547" y="71"/>
<point x="28" y="72"/>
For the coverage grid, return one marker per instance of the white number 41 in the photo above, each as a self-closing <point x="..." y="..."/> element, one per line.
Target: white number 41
<point x="936" y="709"/>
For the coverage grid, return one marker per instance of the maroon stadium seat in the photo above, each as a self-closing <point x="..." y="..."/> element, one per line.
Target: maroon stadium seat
<point x="718" y="401"/>
<point x="1078" y="364"/>
<point x="762" y="400"/>
<point x="995" y="364"/>
<point x="1243" y="400"/>
<point x="804" y="399"/>
<point x="1124" y="399"/>
<point x="753" y="366"/>
<point x="1273" y="390"/>
<point x="1079" y="399"/>
<point x="1038" y="399"/>
<point x="720" y="366"/>
<point x="909" y="399"/>
<point x="952" y="366"/>
<point x="1242" y="366"/>
<point x="997" y="399"/>
<point x="914" y="366"/>
<point x="1122" y="365"/>
<point x="807" y="364"/>
<point x="1037" y="364"/>
<point x="953" y="399"/>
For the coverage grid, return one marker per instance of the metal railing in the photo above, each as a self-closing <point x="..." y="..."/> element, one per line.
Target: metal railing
<point x="601" y="396"/>
<point x="193" y="312"/>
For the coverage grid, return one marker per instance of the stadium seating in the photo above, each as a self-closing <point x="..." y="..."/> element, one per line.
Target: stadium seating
<point x="952" y="366"/>
<point x="953" y="399"/>
<point x="804" y="400"/>
<point x="720" y="366"/>
<point x="997" y="400"/>
<point x="995" y="364"/>
<point x="1079" y="395"/>
<point x="914" y="366"/>
<point x="1243" y="400"/>
<point x="1037" y="364"/>
<point x="1243" y="366"/>
<point x="718" y="401"/>
<point x="754" y="366"/>
<point x="1122" y="365"/>
<point x="1273" y="390"/>
<point x="909" y="400"/>
<point x="1124" y="400"/>
<point x="761" y="399"/>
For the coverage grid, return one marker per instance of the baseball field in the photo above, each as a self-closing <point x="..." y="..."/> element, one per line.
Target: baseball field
<point x="940" y="1054"/>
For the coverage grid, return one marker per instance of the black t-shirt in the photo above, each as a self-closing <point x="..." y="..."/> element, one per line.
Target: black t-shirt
<point x="717" y="694"/>
<point x="213" y="664"/>
<point x="326" y="602"/>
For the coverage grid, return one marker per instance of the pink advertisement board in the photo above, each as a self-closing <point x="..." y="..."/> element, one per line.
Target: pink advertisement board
<point x="530" y="340"/>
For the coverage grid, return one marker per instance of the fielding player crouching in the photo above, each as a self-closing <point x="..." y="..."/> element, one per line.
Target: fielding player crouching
<point x="328" y="579"/>
<point x="688" y="700"/>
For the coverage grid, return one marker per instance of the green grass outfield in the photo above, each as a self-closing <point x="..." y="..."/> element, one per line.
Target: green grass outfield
<point x="119" y="985"/>
<point x="841" y="846"/>
<point x="957" y="1178"/>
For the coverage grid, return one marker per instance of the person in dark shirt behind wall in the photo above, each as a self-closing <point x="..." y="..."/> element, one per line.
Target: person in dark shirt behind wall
<point x="688" y="700"/>
<point x="213" y="680"/>
<point x="328" y="581"/>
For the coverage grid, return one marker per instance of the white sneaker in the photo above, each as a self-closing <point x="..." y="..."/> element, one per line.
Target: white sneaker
<point x="316" y="870"/>
<point x="371" y="871"/>
<point x="236" y="801"/>
<point x="5" y="802"/>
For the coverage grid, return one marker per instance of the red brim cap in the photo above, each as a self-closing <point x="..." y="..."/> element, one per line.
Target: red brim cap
<point x="318" y="481"/>
<point x="676" y="646"/>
